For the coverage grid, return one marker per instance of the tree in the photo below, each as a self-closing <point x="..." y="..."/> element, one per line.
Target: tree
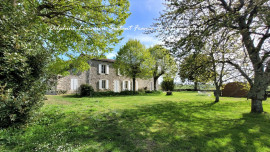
<point x="164" y="63"/>
<point x="187" y="24"/>
<point x="167" y="84"/>
<point x="196" y="68"/>
<point x="35" y="34"/>
<point x="134" y="61"/>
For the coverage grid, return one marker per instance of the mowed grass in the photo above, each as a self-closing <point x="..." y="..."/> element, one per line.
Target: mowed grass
<point x="185" y="121"/>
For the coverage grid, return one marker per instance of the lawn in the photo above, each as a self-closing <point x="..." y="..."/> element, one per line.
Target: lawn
<point x="185" y="121"/>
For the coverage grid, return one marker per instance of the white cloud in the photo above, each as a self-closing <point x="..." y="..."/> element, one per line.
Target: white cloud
<point x="147" y="40"/>
<point x="111" y="55"/>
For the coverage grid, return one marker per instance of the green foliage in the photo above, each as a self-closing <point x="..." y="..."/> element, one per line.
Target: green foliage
<point x="105" y="94"/>
<point x="167" y="85"/>
<point x="134" y="60"/>
<point x="16" y="110"/>
<point x="122" y="93"/>
<point x="86" y="90"/>
<point x="163" y="63"/>
<point x="33" y="44"/>
<point x="153" y="92"/>
<point x="182" y="122"/>
<point x="196" y="68"/>
<point x="61" y="92"/>
<point x="187" y="25"/>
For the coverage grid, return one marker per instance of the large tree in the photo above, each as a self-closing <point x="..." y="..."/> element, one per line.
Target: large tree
<point x="196" y="68"/>
<point x="35" y="35"/>
<point x="164" y="63"/>
<point x="134" y="61"/>
<point x="187" y="24"/>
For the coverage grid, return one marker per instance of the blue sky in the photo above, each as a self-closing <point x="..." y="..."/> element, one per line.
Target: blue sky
<point x="143" y="13"/>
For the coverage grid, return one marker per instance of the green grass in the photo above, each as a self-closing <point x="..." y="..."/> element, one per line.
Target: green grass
<point x="185" y="121"/>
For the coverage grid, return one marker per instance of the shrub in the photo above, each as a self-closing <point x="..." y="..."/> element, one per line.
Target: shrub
<point x="141" y="91"/>
<point x="23" y="81"/>
<point x="107" y="93"/>
<point x="16" y="110"/>
<point x="86" y="90"/>
<point x="128" y="92"/>
<point x="58" y="92"/>
<point x="167" y="85"/>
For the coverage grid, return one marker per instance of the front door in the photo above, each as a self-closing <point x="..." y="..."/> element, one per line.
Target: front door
<point x="116" y="86"/>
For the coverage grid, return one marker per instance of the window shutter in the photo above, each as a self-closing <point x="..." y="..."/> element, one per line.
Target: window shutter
<point x="71" y="84"/>
<point x="136" y="87"/>
<point x="99" y="68"/>
<point x="100" y="84"/>
<point x="107" y="84"/>
<point x="107" y="69"/>
<point x="118" y="72"/>
<point x="129" y="85"/>
<point x="123" y="85"/>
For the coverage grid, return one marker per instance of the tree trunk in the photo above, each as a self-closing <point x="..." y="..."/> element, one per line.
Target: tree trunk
<point x="217" y="93"/>
<point x="257" y="92"/>
<point x="256" y="106"/>
<point x="155" y="83"/>
<point x="261" y="79"/>
<point x="195" y="86"/>
<point x="134" y="83"/>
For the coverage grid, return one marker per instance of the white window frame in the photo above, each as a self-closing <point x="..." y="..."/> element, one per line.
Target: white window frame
<point x="126" y="85"/>
<point x="103" y="69"/>
<point x="103" y="84"/>
<point x="118" y="72"/>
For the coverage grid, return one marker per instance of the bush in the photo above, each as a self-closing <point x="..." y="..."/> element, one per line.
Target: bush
<point x="128" y="93"/>
<point x="141" y="91"/>
<point x="16" y="110"/>
<point x="58" y="92"/>
<point x="167" y="85"/>
<point x="107" y="93"/>
<point x="86" y="90"/>
<point x="23" y="81"/>
<point x="111" y="93"/>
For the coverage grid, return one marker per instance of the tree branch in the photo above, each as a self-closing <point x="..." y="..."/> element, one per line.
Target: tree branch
<point x="225" y="5"/>
<point x="241" y="71"/>
<point x="265" y="36"/>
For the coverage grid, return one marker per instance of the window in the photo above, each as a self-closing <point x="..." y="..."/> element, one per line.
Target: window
<point x="126" y="85"/>
<point x="103" y="84"/>
<point x="103" y="68"/>
<point x="118" y="72"/>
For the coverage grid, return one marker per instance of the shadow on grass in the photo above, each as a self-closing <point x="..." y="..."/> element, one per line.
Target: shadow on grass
<point x="161" y="127"/>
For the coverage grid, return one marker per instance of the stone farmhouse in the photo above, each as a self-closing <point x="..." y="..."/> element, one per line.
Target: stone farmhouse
<point x="102" y="76"/>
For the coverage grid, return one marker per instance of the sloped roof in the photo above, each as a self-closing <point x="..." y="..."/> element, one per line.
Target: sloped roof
<point x="105" y="60"/>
